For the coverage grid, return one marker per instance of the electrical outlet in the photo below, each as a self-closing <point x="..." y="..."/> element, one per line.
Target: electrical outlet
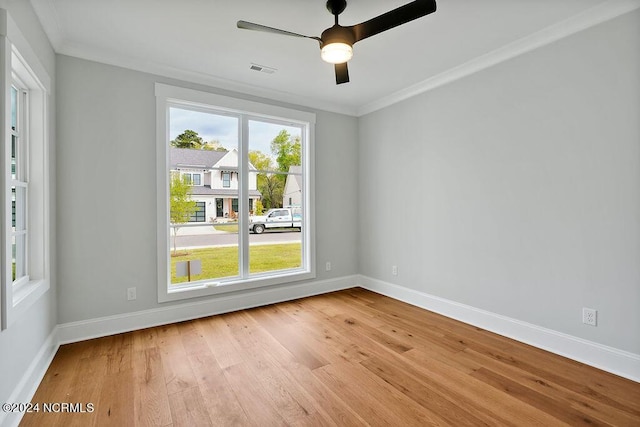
<point x="131" y="294"/>
<point x="589" y="316"/>
<point x="394" y="270"/>
<point x="328" y="266"/>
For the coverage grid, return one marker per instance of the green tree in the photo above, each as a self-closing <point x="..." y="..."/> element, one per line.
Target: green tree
<point x="213" y="145"/>
<point x="271" y="185"/>
<point x="181" y="206"/>
<point x="260" y="161"/>
<point x="272" y="190"/>
<point x="188" y="139"/>
<point x="288" y="150"/>
<point x="258" y="208"/>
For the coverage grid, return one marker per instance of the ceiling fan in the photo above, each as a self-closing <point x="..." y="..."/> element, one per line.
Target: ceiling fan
<point x="336" y="43"/>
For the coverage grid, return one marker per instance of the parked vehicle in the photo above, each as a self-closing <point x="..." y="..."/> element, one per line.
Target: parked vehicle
<point x="290" y="217"/>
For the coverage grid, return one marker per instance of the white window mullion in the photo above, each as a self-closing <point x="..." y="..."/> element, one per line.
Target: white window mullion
<point x="243" y="197"/>
<point x="19" y="243"/>
<point x="18" y="183"/>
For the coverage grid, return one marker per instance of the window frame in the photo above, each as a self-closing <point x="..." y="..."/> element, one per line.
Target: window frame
<point x="19" y="179"/>
<point x="226" y="179"/>
<point x="21" y="66"/>
<point x="191" y="175"/>
<point x="168" y="96"/>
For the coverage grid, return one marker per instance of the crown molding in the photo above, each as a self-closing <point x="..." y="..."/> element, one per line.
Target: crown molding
<point x="589" y="18"/>
<point x="163" y="70"/>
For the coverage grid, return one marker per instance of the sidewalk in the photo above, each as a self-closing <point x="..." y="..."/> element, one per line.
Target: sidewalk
<point x="196" y="229"/>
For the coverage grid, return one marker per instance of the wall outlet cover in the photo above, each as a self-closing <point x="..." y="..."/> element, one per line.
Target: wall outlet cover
<point x="589" y="316"/>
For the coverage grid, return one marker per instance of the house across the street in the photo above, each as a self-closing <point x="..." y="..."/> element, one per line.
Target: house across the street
<point x="293" y="187"/>
<point x="214" y="179"/>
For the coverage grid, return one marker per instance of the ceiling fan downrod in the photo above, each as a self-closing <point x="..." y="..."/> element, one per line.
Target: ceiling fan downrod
<point x="336" y="7"/>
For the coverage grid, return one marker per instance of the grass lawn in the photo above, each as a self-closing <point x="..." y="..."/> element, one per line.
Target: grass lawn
<point x="223" y="262"/>
<point x="229" y="228"/>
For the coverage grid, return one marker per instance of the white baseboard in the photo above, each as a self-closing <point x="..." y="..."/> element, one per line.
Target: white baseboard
<point x="619" y="362"/>
<point x="26" y="388"/>
<point x="104" y="326"/>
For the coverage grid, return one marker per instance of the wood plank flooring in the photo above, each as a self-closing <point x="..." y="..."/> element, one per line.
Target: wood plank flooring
<point x="348" y="358"/>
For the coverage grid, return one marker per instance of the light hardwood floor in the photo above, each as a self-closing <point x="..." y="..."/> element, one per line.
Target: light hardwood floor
<point x="347" y="358"/>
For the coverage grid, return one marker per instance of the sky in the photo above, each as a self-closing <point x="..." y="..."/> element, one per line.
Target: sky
<point x="225" y="129"/>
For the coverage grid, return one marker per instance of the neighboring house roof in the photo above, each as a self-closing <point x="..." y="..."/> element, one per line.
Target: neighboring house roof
<point x="297" y="170"/>
<point x="199" y="159"/>
<point x="206" y="190"/>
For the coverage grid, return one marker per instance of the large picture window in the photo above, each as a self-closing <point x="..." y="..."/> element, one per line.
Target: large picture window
<point x="256" y="161"/>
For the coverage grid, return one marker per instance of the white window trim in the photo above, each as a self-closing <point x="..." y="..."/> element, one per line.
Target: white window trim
<point x="166" y="95"/>
<point x="17" y="58"/>
<point x="200" y="174"/>
<point x="184" y="172"/>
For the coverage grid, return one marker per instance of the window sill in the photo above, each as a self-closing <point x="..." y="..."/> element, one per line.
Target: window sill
<point x="217" y="288"/>
<point x="24" y="295"/>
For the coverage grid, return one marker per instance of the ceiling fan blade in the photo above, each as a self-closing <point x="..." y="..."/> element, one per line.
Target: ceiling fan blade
<point x="257" y="27"/>
<point x="342" y="73"/>
<point x="386" y="21"/>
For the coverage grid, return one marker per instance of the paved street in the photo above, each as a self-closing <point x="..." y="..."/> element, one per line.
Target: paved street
<point x="223" y="239"/>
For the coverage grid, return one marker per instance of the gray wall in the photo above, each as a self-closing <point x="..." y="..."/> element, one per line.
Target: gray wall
<point x="21" y="342"/>
<point x="514" y="190"/>
<point x="517" y="189"/>
<point x="107" y="167"/>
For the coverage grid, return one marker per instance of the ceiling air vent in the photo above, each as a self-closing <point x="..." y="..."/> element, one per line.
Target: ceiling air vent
<point x="262" y="68"/>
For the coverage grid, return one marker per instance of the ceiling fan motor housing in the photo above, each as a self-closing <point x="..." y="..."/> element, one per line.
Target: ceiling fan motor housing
<point x="337" y="34"/>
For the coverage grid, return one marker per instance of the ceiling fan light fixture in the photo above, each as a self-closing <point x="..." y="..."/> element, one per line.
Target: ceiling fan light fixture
<point x="336" y="43"/>
<point x="336" y="53"/>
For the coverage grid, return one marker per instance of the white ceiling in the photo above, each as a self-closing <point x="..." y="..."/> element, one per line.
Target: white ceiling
<point x="197" y="40"/>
